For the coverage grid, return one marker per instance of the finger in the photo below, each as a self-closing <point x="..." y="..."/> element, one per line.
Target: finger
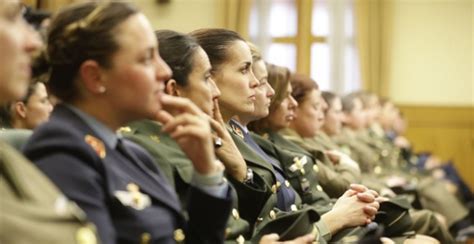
<point x="183" y="120"/>
<point x="189" y="131"/>
<point x="217" y="127"/>
<point x="309" y="238"/>
<point x="358" y="187"/>
<point x="217" y="111"/>
<point x="180" y="104"/>
<point x="270" y="238"/>
<point x="365" y="197"/>
<point x="163" y="117"/>
<point x="374" y="193"/>
<point x="370" y="211"/>
<point x="381" y="199"/>
<point x="350" y="193"/>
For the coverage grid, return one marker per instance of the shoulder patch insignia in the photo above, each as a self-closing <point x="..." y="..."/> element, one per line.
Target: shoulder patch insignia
<point x="96" y="144"/>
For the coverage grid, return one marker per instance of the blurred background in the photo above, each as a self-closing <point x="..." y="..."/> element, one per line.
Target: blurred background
<point x="417" y="53"/>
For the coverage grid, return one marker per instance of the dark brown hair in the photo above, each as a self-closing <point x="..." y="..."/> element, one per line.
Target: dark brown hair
<point x="79" y="33"/>
<point x="278" y="78"/>
<point x="328" y="97"/>
<point x="302" y="86"/>
<point x="215" y="42"/>
<point x="177" y="50"/>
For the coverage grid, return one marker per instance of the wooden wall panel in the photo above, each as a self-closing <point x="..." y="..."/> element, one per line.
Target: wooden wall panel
<point x="446" y="131"/>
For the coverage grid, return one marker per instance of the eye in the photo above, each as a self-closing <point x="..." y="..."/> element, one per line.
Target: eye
<point x="148" y="58"/>
<point x="207" y="78"/>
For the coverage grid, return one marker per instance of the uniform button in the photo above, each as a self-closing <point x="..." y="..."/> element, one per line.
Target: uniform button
<point x="274" y="188"/>
<point x="240" y="240"/>
<point x="235" y="213"/>
<point x="278" y="185"/>
<point x="179" y="235"/>
<point x="293" y="208"/>
<point x="146" y="237"/>
<point x="287" y="183"/>
<point x="272" y="214"/>
<point x="319" y="188"/>
<point x="315" y="168"/>
<point x="85" y="236"/>
<point x="378" y="170"/>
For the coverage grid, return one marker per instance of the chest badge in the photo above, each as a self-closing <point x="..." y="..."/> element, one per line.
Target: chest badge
<point x="299" y="164"/>
<point x="133" y="197"/>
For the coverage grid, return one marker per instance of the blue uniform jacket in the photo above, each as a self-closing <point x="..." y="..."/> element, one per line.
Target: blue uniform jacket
<point x="125" y="196"/>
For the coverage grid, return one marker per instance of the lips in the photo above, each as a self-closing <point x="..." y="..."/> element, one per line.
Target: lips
<point x="252" y="98"/>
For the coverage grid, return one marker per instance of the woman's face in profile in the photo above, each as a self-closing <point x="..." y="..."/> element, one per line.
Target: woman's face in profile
<point x="37" y="108"/>
<point x="236" y="80"/>
<point x="17" y="41"/>
<point x="310" y="114"/>
<point x="264" y="91"/>
<point x="200" y="88"/>
<point x="333" y="118"/>
<point x="285" y="112"/>
<point x="135" y="81"/>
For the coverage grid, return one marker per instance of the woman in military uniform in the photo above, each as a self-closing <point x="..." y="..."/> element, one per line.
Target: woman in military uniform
<point x="106" y="69"/>
<point x="33" y="210"/>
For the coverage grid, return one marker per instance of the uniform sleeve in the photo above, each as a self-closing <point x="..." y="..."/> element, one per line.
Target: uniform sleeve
<point x="208" y="217"/>
<point x="81" y="183"/>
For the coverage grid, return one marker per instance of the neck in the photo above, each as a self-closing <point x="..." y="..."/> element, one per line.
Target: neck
<point x="106" y="116"/>
<point x="226" y="115"/>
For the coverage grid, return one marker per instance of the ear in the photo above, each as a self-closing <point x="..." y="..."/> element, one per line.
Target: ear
<point x="20" y="109"/>
<point x="172" y="88"/>
<point x="92" y="77"/>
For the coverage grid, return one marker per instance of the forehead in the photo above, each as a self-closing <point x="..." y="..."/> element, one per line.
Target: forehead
<point x="259" y="69"/>
<point x="7" y="7"/>
<point x="135" y="33"/>
<point x="200" y="61"/>
<point x="239" y="52"/>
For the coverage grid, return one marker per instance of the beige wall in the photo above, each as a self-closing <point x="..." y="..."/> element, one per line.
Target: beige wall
<point x="182" y="15"/>
<point x="427" y="51"/>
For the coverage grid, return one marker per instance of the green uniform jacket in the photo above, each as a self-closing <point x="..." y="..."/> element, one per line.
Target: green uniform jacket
<point x="32" y="208"/>
<point x="264" y="169"/>
<point x="334" y="180"/>
<point x="300" y="168"/>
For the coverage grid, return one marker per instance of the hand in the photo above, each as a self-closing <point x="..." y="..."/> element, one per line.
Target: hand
<point x="273" y="239"/>
<point x="228" y="153"/>
<point x="349" y="211"/>
<point x="190" y="127"/>
<point x="333" y="156"/>
<point x="401" y="142"/>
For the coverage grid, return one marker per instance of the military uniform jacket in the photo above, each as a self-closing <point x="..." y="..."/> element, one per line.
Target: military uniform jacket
<point x="179" y="169"/>
<point x="334" y="180"/>
<point x="300" y="168"/>
<point x="120" y="189"/>
<point x="32" y="208"/>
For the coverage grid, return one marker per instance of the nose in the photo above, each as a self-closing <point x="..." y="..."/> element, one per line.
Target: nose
<point x="293" y="103"/>
<point x="163" y="72"/>
<point x="215" y="92"/>
<point x="32" y="42"/>
<point x="270" y="90"/>
<point x="253" y="80"/>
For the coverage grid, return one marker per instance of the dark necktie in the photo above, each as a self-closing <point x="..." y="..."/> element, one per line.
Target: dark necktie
<point x="286" y="194"/>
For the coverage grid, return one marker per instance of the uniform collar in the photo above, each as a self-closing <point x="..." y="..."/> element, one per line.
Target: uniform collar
<point x="109" y="137"/>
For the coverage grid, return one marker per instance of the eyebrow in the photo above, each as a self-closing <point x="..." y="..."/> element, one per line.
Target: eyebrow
<point x="247" y="64"/>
